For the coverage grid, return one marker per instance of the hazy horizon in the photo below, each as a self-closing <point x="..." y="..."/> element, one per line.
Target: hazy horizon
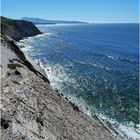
<point x="92" y="11"/>
<point x="76" y="20"/>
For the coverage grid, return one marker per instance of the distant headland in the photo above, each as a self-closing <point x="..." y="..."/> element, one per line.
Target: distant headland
<point x="44" y="21"/>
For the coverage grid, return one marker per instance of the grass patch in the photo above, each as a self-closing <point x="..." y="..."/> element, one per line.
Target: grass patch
<point x="14" y="65"/>
<point x="16" y="82"/>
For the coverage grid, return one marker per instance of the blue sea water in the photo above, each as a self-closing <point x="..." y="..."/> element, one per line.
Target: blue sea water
<point x="94" y="65"/>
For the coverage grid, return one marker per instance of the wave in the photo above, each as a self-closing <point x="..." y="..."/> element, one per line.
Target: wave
<point x="108" y="56"/>
<point x="94" y="65"/>
<point x="111" y="57"/>
<point x="43" y="35"/>
<point x="32" y="38"/>
<point x="126" y="131"/>
<point x="116" y="58"/>
<point x="129" y="130"/>
<point x="58" y="76"/>
<point x="26" y="43"/>
<point x="26" y="49"/>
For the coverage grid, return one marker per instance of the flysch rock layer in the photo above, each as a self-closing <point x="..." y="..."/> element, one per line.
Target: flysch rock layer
<point x="32" y="110"/>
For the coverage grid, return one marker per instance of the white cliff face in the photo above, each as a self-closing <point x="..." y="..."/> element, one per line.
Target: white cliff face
<point x="32" y="110"/>
<point x="6" y="54"/>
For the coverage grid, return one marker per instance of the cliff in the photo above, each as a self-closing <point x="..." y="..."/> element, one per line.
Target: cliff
<point x="17" y="29"/>
<point x="32" y="110"/>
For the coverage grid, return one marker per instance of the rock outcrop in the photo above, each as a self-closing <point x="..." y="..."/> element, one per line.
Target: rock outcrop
<point x="17" y="29"/>
<point x="32" y="110"/>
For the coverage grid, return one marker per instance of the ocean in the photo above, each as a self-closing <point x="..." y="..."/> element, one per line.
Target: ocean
<point x="96" y="66"/>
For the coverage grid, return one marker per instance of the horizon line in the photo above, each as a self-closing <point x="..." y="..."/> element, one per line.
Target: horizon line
<point x="76" y="20"/>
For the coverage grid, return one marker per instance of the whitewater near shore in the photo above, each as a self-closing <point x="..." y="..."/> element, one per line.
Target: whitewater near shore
<point x="31" y="109"/>
<point x="78" y="69"/>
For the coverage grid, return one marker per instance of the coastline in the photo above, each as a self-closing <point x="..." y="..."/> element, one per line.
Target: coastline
<point x="105" y="122"/>
<point x="69" y="70"/>
<point x="62" y="108"/>
<point x="101" y="121"/>
<point x="30" y="108"/>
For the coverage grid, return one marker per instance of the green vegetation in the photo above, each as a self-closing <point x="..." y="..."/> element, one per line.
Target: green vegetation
<point x="14" y="65"/>
<point x="16" y="82"/>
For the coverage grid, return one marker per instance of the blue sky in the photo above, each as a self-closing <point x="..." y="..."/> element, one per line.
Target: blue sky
<point x="96" y="11"/>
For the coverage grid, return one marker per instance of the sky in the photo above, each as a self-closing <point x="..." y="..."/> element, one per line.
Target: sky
<point x="94" y="11"/>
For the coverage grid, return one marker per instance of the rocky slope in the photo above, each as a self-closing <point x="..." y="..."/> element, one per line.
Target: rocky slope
<point x="32" y="110"/>
<point x="17" y="29"/>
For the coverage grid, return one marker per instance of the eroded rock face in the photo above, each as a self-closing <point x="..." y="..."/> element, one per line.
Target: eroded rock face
<point x="17" y="29"/>
<point x="32" y="110"/>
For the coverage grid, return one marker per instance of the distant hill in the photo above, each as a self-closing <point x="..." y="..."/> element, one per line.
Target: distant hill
<point x="44" y="21"/>
<point x="17" y="29"/>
